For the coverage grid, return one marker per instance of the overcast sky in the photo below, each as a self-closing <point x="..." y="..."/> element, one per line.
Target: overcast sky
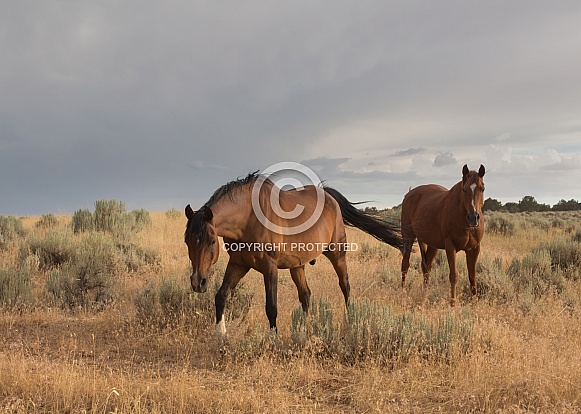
<point x="159" y="103"/>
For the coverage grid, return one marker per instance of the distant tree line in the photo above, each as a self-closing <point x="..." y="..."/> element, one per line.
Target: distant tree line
<point x="528" y="203"/>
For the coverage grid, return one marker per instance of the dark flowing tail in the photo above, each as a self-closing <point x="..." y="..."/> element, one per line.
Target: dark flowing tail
<point x="383" y="231"/>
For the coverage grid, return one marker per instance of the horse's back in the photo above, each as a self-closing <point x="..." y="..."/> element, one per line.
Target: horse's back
<point x="307" y="198"/>
<point x="420" y="213"/>
<point x="422" y="197"/>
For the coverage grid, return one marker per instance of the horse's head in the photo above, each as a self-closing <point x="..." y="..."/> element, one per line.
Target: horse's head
<point x="473" y="194"/>
<point x="203" y="246"/>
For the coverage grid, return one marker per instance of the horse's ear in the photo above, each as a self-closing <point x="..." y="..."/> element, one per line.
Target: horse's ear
<point x="481" y="171"/>
<point x="189" y="212"/>
<point x="208" y="214"/>
<point x="465" y="172"/>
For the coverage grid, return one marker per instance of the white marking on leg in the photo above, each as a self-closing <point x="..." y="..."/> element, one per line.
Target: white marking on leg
<point x="221" y="328"/>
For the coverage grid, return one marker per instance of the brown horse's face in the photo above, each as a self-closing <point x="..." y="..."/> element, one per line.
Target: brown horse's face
<point x="203" y="246"/>
<point x="473" y="197"/>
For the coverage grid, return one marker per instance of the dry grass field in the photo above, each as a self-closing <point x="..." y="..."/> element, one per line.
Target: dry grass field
<point x="147" y="344"/>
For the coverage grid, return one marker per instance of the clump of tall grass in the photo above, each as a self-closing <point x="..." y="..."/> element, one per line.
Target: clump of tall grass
<point x="375" y="332"/>
<point x="577" y="236"/>
<point x="373" y="251"/>
<point x="174" y="214"/>
<point x="11" y="229"/>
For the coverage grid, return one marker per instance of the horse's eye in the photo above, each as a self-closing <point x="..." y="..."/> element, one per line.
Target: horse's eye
<point x="213" y="242"/>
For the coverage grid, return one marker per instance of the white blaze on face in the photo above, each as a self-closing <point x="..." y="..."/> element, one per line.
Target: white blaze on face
<point x="473" y="187"/>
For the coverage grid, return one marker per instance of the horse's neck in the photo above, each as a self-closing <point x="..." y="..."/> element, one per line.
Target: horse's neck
<point x="231" y="215"/>
<point x="455" y="194"/>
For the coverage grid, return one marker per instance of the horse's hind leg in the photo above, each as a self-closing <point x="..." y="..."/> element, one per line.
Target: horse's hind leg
<point x="428" y="255"/>
<point x="298" y="276"/>
<point x="408" y="242"/>
<point x="340" y="265"/>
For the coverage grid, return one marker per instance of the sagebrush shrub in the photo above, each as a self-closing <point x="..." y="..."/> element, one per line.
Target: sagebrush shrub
<point x="109" y="215"/>
<point x="565" y="255"/>
<point x="535" y="274"/>
<point x="86" y="280"/>
<point x="11" y="229"/>
<point x="500" y="224"/>
<point x="47" y="221"/>
<point x="53" y="250"/>
<point x="174" y="302"/>
<point x="134" y="256"/>
<point x="492" y="281"/>
<point x="174" y="214"/>
<point x="374" y="332"/>
<point x="15" y="285"/>
<point x="83" y="220"/>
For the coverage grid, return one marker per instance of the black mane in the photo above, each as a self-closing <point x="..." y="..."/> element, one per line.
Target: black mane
<point x="196" y="224"/>
<point x="229" y="188"/>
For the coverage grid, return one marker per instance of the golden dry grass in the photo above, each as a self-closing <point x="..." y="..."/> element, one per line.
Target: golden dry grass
<point x="519" y="361"/>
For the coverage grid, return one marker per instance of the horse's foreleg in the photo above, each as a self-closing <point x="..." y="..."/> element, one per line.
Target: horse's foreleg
<point x="232" y="276"/>
<point x="471" y="258"/>
<point x="451" y="255"/>
<point x="271" y="286"/>
<point x="426" y="272"/>
<point x="298" y="276"/>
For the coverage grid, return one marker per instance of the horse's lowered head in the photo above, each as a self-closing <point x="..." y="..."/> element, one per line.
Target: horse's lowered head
<point x="203" y="246"/>
<point x="473" y="194"/>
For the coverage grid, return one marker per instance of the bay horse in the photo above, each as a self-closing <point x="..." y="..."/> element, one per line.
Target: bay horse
<point x="445" y="219"/>
<point x="229" y="214"/>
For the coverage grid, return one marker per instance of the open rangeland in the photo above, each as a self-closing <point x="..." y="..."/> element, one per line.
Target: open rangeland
<point x="104" y="320"/>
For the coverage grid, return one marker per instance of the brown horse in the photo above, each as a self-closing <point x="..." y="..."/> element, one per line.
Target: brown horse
<point x="445" y="219"/>
<point x="266" y="248"/>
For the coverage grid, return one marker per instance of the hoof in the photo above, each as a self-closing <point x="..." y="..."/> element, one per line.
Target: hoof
<point x="221" y="329"/>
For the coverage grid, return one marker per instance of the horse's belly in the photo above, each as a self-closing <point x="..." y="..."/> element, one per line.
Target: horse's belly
<point x="433" y="240"/>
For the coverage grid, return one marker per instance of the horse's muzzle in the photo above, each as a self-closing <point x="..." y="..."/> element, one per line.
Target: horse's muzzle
<point x="199" y="285"/>
<point x="473" y="219"/>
